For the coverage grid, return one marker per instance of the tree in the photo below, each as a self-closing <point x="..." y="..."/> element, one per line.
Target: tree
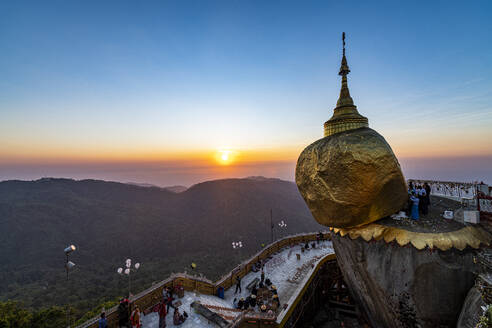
<point x="12" y="315"/>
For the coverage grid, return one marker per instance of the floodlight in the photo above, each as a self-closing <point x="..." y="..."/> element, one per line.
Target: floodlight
<point x="127" y="271"/>
<point x="137" y="265"/>
<point x="69" y="265"/>
<point x="69" y="249"/>
<point x="120" y="270"/>
<point x="128" y="263"/>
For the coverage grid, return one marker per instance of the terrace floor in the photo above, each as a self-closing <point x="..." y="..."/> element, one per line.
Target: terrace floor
<point x="283" y="269"/>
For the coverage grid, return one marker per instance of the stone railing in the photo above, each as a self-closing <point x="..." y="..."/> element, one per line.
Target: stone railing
<point x="451" y="189"/>
<point x="151" y="296"/>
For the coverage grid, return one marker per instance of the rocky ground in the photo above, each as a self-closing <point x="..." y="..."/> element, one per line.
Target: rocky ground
<point x="433" y="221"/>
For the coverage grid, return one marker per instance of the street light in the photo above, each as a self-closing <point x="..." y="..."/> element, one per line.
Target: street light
<point x="128" y="269"/>
<point x="69" y="265"/>
<point x="237" y="245"/>
<point x="281" y="224"/>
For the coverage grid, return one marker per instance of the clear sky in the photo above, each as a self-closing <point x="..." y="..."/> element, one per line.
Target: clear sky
<point x="153" y="91"/>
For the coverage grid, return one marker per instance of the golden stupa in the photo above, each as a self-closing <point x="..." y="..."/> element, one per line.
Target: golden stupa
<point x="351" y="176"/>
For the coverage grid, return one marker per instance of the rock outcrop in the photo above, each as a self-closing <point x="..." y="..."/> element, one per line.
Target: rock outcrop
<point x="404" y="287"/>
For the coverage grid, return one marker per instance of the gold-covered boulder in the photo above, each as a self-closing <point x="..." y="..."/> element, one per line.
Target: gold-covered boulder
<point x="351" y="178"/>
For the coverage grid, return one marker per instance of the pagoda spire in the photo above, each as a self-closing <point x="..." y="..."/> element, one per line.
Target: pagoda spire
<point x="344" y="99"/>
<point x="345" y="115"/>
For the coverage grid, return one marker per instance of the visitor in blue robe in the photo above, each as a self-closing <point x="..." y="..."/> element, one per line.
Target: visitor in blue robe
<point x="415" y="207"/>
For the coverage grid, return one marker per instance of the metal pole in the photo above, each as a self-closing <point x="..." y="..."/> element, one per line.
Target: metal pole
<point x="68" y="303"/>
<point x="129" y="283"/>
<point x="271" y="223"/>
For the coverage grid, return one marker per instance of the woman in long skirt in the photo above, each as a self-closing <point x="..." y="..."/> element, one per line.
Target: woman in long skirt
<point x="415" y="207"/>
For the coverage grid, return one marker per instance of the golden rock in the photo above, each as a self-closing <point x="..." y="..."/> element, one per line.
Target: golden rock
<point x="350" y="177"/>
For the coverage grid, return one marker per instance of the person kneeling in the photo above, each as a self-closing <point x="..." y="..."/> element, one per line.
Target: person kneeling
<point x="178" y="319"/>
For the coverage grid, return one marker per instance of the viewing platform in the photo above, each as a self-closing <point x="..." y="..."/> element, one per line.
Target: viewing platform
<point x="288" y="264"/>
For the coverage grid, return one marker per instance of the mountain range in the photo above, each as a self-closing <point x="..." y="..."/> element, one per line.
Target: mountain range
<point x="109" y="222"/>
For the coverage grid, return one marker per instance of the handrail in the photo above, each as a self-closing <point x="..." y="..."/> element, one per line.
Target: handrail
<point x="299" y="293"/>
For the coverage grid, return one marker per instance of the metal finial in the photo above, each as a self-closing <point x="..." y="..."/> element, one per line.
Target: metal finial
<point x="343" y="40"/>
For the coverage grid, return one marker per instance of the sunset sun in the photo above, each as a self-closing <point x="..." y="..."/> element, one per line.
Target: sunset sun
<point x="225" y="156"/>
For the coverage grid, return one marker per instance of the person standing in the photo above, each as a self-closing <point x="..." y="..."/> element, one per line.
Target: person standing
<point x="262" y="277"/>
<point x="423" y="199"/>
<point x="409" y="202"/>
<point x="415" y="207"/>
<point x="136" y="318"/>
<point x="428" y="191"/>
<point x="169" y="298"/>
<point x="103" y="323"/>
<point x="162" y="312"/>
<point x="238" y="285"/>
<point x="123" y="313"/>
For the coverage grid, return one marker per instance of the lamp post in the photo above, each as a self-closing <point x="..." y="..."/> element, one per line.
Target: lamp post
<point x="69" y="265"/>
<point x="282" y="224"/>
<point x="128" y="269"/>
<point x="236" y="245"/>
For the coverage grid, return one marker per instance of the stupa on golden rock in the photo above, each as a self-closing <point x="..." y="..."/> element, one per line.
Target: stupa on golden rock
<point x="401" y="276"/>
<point x="351" y="176"/>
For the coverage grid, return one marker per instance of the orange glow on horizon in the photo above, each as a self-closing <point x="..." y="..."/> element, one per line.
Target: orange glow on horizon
<point x="222" y="156"/>
<point x="404" y="146"/>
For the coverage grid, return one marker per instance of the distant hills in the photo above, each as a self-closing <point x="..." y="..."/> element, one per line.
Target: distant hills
<point x="163" y="229"/>
<point x="176" y="189"/>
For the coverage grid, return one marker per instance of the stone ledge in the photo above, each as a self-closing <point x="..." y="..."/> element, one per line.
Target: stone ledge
<point x="459" y="239"/>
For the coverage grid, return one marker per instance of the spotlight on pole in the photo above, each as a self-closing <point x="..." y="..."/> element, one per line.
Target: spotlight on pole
<point x="70" y="265"/>
<point x="69" y="249"/>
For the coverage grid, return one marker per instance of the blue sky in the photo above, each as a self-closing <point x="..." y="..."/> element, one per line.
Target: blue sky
<point x="123" y="80"/>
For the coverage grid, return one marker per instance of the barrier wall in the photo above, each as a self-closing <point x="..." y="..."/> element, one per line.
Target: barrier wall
<point x="153" y="295"/>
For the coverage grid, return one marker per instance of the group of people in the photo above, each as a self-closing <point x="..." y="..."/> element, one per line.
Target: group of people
<point x="125" y="318"/>
<point x="419" y="200"/>
<point x="134" y="320"/>
<point x="251" y="301"/>
<point x="162" y="309"/>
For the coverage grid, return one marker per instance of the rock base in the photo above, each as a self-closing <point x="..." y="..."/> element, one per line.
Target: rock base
<point x="405" y="287"/>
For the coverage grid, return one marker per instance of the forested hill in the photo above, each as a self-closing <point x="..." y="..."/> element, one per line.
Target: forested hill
<point x="110" y="222"/>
